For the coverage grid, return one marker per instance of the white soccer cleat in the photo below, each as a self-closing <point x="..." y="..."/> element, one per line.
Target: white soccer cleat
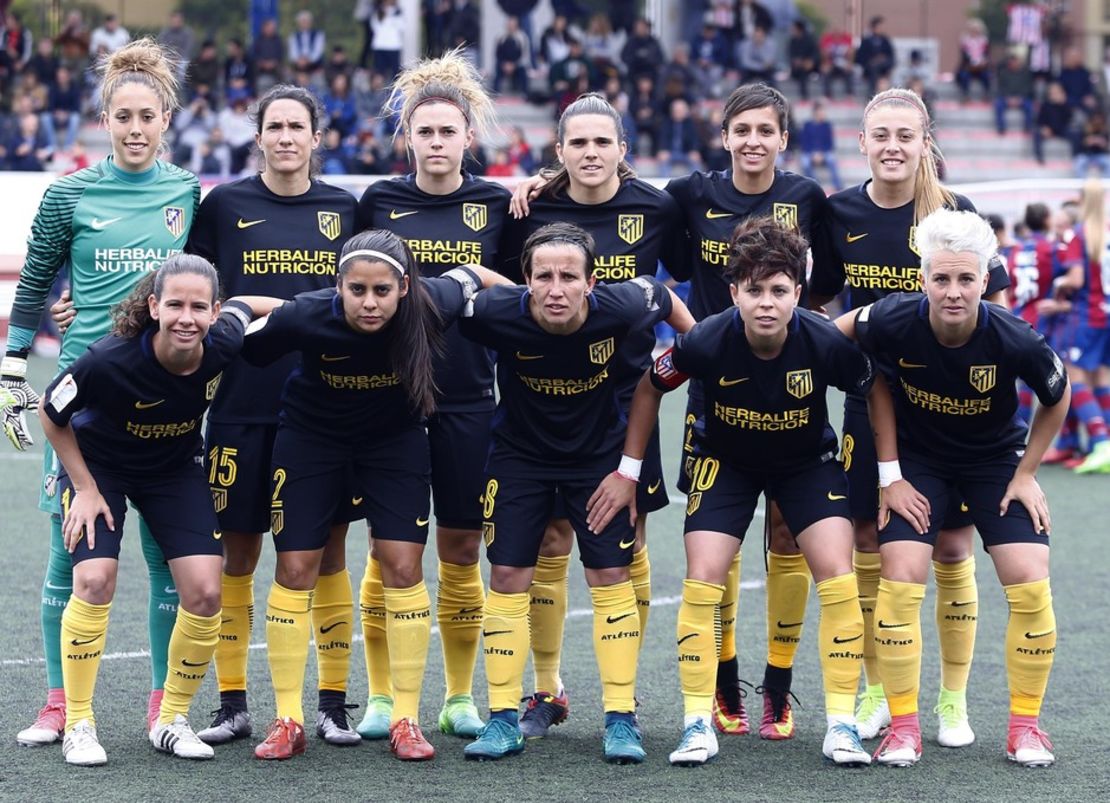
<point x="1029" y="746"/>
<point x="49" y="727"/>
<point x="178" y="739"/>
<point x="842" y="746"/>
<point x="698" y="745"/>
<point x="81" y="748"/>
<point x="333" y="725"/>
<point x="953" y="728"/>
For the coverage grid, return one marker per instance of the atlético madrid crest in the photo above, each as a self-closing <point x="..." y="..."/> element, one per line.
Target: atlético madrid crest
<point x="331" y="225"/>
<point x="174" y="218"/>
<point x="787" y="214"/>
<point x="982" y="377"/>
<point x="474" y="216"/>
<point x="799" y="384"/>
<point x="912" y="243"/>
<point x="601" y="351"/>
<point x="630" y="228"/>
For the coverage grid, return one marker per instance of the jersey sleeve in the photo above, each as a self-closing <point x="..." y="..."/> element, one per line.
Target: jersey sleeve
<point x="226" y="335"/>
<point x="849" y="368"/>
<point x="509" y="249"/>
<point x="364" y="216"/>
<point x="664" y="376"/>
<point x="647" y="300"/>
<point x="869" y="325"/>
<point x="204" y="233"/>
<point x="693" y="351"/>
<point x="477" y="327"/>
<point x="675" y="253"/>
<point x="822" y="250"/>
<point x="679" y="190"/>
<point x="1041" y="368"/>
<point x="68" y="393"/>
<point x="453" y="293"/>
<point x="277" y="334"/>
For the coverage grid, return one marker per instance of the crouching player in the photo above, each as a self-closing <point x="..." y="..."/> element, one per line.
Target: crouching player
<point x="765" y="366"/>
<point x="125" y="421"/>
<point x="952" y="363"/>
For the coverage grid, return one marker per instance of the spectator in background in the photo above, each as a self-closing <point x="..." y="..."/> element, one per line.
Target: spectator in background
<point x="502" y="166"/>
<point x="837" y="62"/>
<point x="555" y="43"/>
<point x="397" y="162"/>
<point x="804" y="55"/>
<point x="1013" y="90"/>
<point x="511" y="57"/>
<point x="520" y="153"/>
<point x="335" y="154"/>
<point x="437" y="25"/>
<point x="645" y="111"/>
<point x="73" y="42"/>
<point x="757" y="58"/>
<point x="679" y="144"/>
<point x="17" y="42"/>
<point x="339" y="105"/>
<point x="679" y="79"/>
<point x="751" y="16"/>
<point x="64" y="110"/>
<point x="204" y="73"/>
<point x="568" y="72"/>
<point x="235" y="122"/>
<point x="215" y="156"/>
<point x="710" y="57"/>
<point x="35" y="92"/>
<point x="1054" y="120"/>
<point x="368" y="159"/>
<point x="179" y="40"/>
<point x="1093" y="149"/>
<point x="337" y="63"/>
<point x="238" y="72"/>
<point x="875" y="55"/>
<point x="642" y="54"/>
<point x="818" y="146"/>
<point x="975" y="59"/>
<point x="193" y="125"/>
<point x="43" y="64"/>
<point x="603" y="45"/>
<point x="362" y="12"/>
<point x="1079" y="85"/>
<point x="465" y="29"/>
<point x="306" y="45"/>
<point x="110" y="36"/>
<point x="388" y="26"/>
<point x="267" y="53"/>
<point x="28" y="148"/>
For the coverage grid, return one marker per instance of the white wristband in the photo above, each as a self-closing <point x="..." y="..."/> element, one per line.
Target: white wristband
<point x="630" y="468"/>
<point x="13" y="366"/>
<point x="890" y="471"/>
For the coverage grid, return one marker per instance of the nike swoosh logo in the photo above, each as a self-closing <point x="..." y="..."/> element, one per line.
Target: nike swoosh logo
<point x="488" y="633"/>
<point x="653" y="488"/>
<point x="77" y="643"/>
<point x="520" y="356"/>
<point x="957" y="604"/>
<point x="356" y="500"/>
<point x="625" y="545"/>
<point x="147" y="405"/>
<point x="169" y="590"/>
<point x="100" y="225"/>
<point x="788" y="625"/>
<point x="1038" y="635"/>
<point x="216" y="534"/>
<point x="614" y="619"/>
<point x="903" y="364"/>
<point x="334" y="358"/>
<point x="711" y="215"/>
<point x="839" y="640"/>
<point x="190" y="663"/>
<point x="395" y="215"/>
<point x="728" y="383"/>
<point x="469" y="610"/>
<point x="835" y="497"/>
<point x="246" y="224"/>
<point x="53" y="587"/>
<point x="852" y="238"/>
<point x="687" y="636"/>
<point x="332" y="626"/>
<point x="886" y="625"/>
<point x="226" y="621"/>
<point x="421" y="522"/>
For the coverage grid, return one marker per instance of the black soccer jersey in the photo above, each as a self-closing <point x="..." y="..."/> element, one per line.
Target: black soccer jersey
<point x="958" y="404"/>
<point x="558" y="416"/>
<point x="132" y="415"/>
<point x="766" y="415"/>
<point x="874" y="250"/>
<point x="465" y="227"/>
<point x="345" y="387"/>
<point x="272" y="245"/>
<point x="713" y="207"/>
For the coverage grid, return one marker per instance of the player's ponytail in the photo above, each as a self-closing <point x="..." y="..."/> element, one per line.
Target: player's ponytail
<point x="1092" y="215"/>
<point x="589" y="103"/>
<point x="452" y="79"/>
<point x="415" y="327"/>
<point x="144" y="62"/>
<point x="929" y="194"/>
<point x="131" y="316"/>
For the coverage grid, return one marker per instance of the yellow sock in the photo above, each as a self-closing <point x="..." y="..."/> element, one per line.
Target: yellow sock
<point x="698" y="635"/>
<point x="898" y="643"/>
<point x="192" y="645"/>
<point x="1030" y="645"/>
<point x="371" y="600"/>
<point x="408" y="627"/>
<point x="236" y="620"/>
<point x="459" y="603"/>
<point x="616" y="644"/>
<point x="640" y="574"/>
<point x="957" y="614"/>
<point x="548" y="612"/>
<point x="288" y="627"/>
<point x="787" y="594"/>
<point x="867" y="566"/>
<point x="84" y="627"/>
<point x="840" y="640"/>
<point x="730" y="603"/>
<point x="332" y="617"/>
<point x="505" y="638"/>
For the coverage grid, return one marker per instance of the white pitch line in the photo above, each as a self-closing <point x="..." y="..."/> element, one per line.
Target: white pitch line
<point x="576" y="613"/>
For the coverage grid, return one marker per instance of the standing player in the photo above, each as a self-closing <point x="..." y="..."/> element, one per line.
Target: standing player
<point x="277" y="233"/>
<point x="125" y="421"/>
<point x="111" y="223"/>
<point x="873" y="234"/>
<point x="447" y="218"/>
<point x="765" y="368"/>
<point x="951" y="364"/>
<point x="634" y="226"/>
<point x="557" y="432"/>
<point x="352" y="421"/>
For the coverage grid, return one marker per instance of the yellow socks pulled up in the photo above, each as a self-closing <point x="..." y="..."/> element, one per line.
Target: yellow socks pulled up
<point x="287" y="632"/>
<point x="898" y="643"/>
<point x="84" y="628"/>
<point x="729" y="604"/>
<point x="867" y="567"/>
<point x="787" y="593"/>
<point x="505" y="640"/>
<point x="236" y="620"/>
<point x="408" y="627"/>
<point x="640" y="575"/>
<point x="840" y="640"/>
<point x="371" y="600"/>
<point x="192" y="645"/>
<point x="548" y="612"/>
<point x="616" y="644"/>
<point x="1030" y="645"/>
<point x="698" y="636"/>
<point x="460" y="599"/>
<point x="957" y="613"/>
<point x="332" y="627"/>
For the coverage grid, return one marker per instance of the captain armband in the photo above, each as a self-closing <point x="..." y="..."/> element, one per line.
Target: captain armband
<point x="663" y="373"/>
<point x="470" y="291"/>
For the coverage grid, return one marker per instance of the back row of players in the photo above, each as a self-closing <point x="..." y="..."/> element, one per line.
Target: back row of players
<point x="279" y="234"/>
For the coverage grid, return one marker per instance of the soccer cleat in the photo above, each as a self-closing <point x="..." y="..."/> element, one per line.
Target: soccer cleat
<point x="459" y="717"/>
<point x="622" y="743"/>
<point x="49" y="726"/>
<point x="81" y="747"/>
<point x="153" y="708"/>
<point x="901" y="747"/>
<point x="284" y="739"/>
<point x="178" y="739"/>
<point x="498" y="739"/>
<point x="872" y="713"/>
<point x="333" y="725"/>
<point x="407" y="742"/>
<point x="379" y="713"/>
<point x="778" y="716"/>
<point x="229" y="724"/>
<point x="543" y="711"/>
<point x="698" y="745"/>
<point x="1027" y="744"/>
<point x="1098" y="461"/>
<point x="1057" y="455"/>
<point x="953" y="729"/>
<point x="843" y="746"/>
<point x="729" y="715"/>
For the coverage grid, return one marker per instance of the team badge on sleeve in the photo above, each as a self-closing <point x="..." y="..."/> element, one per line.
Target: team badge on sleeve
<point x="787" y="214"/>
<point x="630" y="228"/>
<point x="213" y="384"/>
<point x="475" y="216"/>
<point x="601" y="351"/>
<point x="982" y="377"/>
<point x="174" y="217"/>
<point x="331" y="224"/>
<point x="799" y="384"/>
